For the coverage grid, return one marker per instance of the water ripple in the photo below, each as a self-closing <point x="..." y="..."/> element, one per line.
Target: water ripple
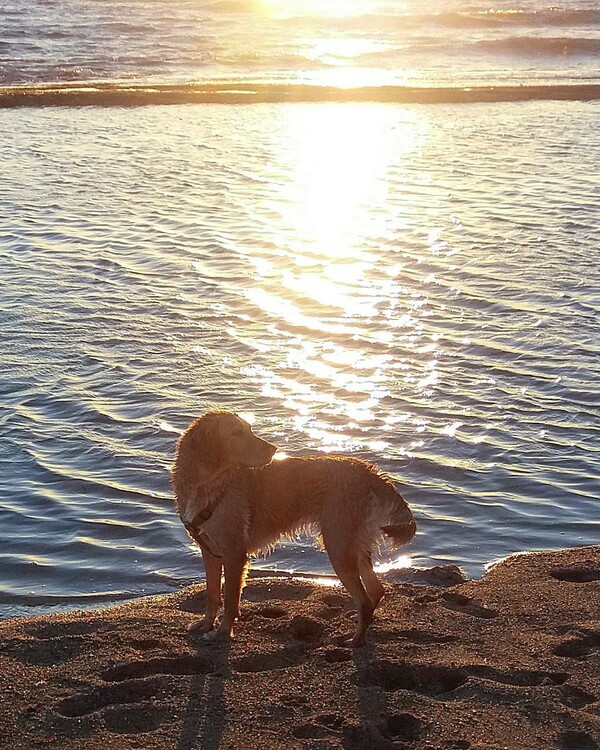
<point x="359" y="277"/>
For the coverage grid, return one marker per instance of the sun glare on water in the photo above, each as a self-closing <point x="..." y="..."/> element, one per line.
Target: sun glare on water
<point x="341" y="156"/>
<point x="332" y="8"/>
<point x="335" y="288"/>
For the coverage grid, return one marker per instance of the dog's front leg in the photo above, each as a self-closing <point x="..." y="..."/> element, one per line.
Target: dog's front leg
<point x="235" y="565"/>
<point x="213" y="567"/>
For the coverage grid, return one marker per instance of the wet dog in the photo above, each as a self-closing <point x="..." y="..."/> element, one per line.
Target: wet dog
<point x="234" y="502"/>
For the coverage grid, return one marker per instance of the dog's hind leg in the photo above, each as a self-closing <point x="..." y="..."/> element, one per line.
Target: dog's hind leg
<point x="345" y="563"/>
<point x="347" y="572"/>
<point x="373" y="585"/>
<point x="213" y="567"/>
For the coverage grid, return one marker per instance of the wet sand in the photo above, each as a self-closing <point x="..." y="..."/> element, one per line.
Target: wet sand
<point x="509" y="661"/>
<point x="241" y="92"/>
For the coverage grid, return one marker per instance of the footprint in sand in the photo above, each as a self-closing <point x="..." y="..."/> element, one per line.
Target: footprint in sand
<point x="310" y="731"/>
<point x="585" y="572"/>
<point x="576" y="697"/>
<point x="466" y="606"/>
<point x="414" y="635"/>
<point x="319" y="727"/>
<point x="336" y="600"/>
<point x="421" y="678"/>
<point x="270" y="611"/>
<point x="145" y="644"/>
<point x="388" y="733"/>
<point x="42" y="653"/>
<point x="433" y="680"/>
<point x="51" y="643"/>
<point x="277" y="590"/>
<point x="579" y="647"/>
<point x="404" y="727"/>
<point x="132" y="703"/>
<point x="140" y="718"/>
<point x="306" y="629"/>
<point x="280" y="659"/>
<point x="577" y="741"/>
<point x="127" y="708"/>
<point x="128" y="691"/>
<point x="337" y="655"/>
<point x="518" y="677"/>
<point x="184" y="664"/>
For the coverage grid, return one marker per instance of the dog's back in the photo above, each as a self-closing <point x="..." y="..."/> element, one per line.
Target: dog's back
<point x="337" y="494"/>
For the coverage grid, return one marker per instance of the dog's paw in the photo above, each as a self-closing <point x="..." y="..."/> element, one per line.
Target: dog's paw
<point x="350" y="640"/>
<point x="217" y="636"/>
<point x="201" y="626"/>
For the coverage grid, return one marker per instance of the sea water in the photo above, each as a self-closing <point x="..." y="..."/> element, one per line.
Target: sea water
<point x="417" y="285"/>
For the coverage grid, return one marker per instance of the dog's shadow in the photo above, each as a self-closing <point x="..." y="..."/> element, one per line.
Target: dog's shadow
<point x="205" y="716"/>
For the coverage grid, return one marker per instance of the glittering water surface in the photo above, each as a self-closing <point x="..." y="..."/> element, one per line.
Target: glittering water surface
<point x="339" y="42"/>
<point x="414" y="285"/>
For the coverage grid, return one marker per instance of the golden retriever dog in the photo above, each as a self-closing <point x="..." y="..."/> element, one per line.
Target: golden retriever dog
<point x="234" y="502"/>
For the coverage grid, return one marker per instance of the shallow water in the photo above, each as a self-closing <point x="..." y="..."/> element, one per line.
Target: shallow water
<point x="414" y="285"/>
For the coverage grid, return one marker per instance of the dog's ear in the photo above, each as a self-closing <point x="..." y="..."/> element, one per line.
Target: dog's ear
<point x="207" y="444"/>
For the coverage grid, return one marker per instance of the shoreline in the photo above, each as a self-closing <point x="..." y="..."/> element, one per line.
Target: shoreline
<point x="104" y="94"/>
<point x="507" y="661"/>
<point x="54" y="604"/>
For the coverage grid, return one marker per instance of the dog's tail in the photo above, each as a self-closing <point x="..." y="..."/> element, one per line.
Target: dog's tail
<point x="395" y="517"/>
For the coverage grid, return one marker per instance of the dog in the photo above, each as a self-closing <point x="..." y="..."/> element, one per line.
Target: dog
<point x="234" y="501"/>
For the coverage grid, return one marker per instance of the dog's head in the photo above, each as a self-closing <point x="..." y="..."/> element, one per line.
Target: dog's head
<point x="220" y="439"/>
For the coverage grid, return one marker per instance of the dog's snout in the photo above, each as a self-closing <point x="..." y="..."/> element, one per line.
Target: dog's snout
<point x="259" y="453"/>
<point x="269" y="448"/>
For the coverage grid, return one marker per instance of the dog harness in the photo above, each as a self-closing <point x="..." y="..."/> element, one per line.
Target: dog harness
<point x="194" y="527"/>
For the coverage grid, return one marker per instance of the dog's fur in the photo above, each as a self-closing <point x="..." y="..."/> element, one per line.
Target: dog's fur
<point x="234" y="502"/>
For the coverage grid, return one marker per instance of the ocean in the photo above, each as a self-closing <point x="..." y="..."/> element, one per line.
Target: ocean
<point x="345" y="43"/>
<point x="411" y="278"/>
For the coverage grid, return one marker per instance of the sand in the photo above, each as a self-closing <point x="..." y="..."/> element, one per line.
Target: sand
<point x="509" y="661"/>
<point x="109" y="94"/>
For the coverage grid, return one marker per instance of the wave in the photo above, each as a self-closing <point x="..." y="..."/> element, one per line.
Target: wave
<point x="466" y="18"/>
<point x="463" y="19"/>
<point x="119" y="94"/>
<point x="534" y="18"/>
<point x="520" y="45"/>
<point x="528" y="45"/>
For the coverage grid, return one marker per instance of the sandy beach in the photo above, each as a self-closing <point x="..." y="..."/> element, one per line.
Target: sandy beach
<point x="511" y="661"/>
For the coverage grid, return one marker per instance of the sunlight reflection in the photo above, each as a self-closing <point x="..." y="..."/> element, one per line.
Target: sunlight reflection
<point x="291" y="313"/>
<point x="335" y="50"/>
<point x="402" y="561"/>
<point x="328" y="582"/>
<point x="342" y="155"/>
<point x="328" y="292"/>
<point x="166" y="426"/>
<point x="337" y="300"/>
<point x="329" y="8"/>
